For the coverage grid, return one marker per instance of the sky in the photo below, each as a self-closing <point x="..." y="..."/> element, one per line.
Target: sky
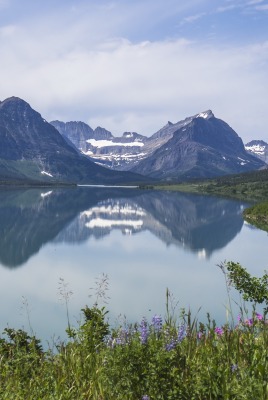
<point x="135" y="65"/>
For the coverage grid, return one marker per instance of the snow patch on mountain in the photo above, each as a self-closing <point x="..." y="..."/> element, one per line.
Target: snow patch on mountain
<point x="109" y="143"/>
<point x="257" y="149"/>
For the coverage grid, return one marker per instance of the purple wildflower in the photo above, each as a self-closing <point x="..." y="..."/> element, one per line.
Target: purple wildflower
<point x="200" y="335"/>
<point x="157" y="323"/>
<point x="259" y="316"/>
<point x="145" y="397"/>
<point x="219" y="331"/>
<point x="234" y="367"/>
<point x="181" y="332"/>
<point x="171" y="345"/>
<point x="144" y="331"/>
<point x="249" y="322"/>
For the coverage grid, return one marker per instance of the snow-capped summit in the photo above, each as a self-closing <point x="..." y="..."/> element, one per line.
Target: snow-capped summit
<point x="206" y="114"/>
<point x="259" y="148"/>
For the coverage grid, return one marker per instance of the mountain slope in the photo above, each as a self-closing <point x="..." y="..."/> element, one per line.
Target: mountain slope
<point x="32" y="149"/>
<point x="203" y="146"/>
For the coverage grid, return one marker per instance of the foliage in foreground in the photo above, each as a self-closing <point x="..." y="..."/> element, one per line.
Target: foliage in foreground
<point x="174" y="358"/>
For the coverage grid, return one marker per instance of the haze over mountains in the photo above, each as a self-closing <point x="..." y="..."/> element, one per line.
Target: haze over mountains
<point x="34" y="150"/>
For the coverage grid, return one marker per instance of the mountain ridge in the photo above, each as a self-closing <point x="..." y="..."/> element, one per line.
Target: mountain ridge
<point x="33" y="150"/>
<point x="199" y="146"/>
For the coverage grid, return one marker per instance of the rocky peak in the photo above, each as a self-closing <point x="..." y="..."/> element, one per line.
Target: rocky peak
<point x="75" y="131"/>
<point x="16" y="109"/>
<point x="133" y="136"/>
<point x="205" y="114"/>
<point x="259" y="148"/>
<point x="102" y="133"/>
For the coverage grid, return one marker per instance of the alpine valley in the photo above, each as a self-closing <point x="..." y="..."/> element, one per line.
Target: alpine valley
<point x="33" y="150"/>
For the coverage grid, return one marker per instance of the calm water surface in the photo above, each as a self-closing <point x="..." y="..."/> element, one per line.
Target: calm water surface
<point x="145" y="241"/>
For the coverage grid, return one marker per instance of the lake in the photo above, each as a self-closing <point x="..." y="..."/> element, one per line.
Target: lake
<point x="144" y="241"/>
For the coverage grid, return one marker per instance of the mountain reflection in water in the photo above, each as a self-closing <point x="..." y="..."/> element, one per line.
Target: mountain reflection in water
<point x="31" y="218"/>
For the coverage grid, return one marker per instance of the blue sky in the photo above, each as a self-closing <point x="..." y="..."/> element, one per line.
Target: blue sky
<point x="134" y="65"/>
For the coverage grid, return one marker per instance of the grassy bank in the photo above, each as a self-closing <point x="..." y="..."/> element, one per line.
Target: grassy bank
<point x="249" y="186"/>
<point x="175" y="357"/>
<point x="258" y="215"/>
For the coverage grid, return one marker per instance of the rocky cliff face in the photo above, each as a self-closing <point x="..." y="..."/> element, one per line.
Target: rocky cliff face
<point x="32" y="149"/>
<point x="258" y="148"/>
<point x="118" y="153"/>
<point x="77" y="132"/>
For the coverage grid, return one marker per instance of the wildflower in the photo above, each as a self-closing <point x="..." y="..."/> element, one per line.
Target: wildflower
<point x="199" y="335"/>
<point x="219" y="331"/>
<point x="144" y="331"/>
<point x="234" y="367"/>
<point x="259" y="316"/>
<point x="157" y="323"/>
<point x="181" y="333"/>
<point x="171" y="345"/>
<point x="249" y="322"/>
<point x="239" y="318"/>
<point x="145" y="397"/>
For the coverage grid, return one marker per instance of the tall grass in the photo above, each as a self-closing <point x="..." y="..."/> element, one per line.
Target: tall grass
<point x="167" y="358"/>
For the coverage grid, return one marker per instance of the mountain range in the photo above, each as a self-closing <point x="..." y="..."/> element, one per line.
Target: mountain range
<point x="199" y="146"/>
<point x="33" y="150"/>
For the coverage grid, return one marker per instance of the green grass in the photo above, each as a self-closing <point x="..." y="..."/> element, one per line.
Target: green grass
<point x="173" y="358"/>
<point x="258" y="215"/>
<point x="247" y="186"/>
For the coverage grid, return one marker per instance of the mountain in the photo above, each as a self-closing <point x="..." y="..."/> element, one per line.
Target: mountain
<point x="32" y="149"/>
<point x="259" y="148"/>
<point x="199" y="146"/>
<point x="118" y="153"/>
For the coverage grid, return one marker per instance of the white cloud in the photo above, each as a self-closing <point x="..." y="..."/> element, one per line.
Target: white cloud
<point x="227" y="8"/>
<point x="252" y="2"/>
<point x="262" y="8"/>
<point x="6" y="31"/>
<point x="138" y="87"/>
<point x="78" y="68"/>
<point x="193" y="18"/>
